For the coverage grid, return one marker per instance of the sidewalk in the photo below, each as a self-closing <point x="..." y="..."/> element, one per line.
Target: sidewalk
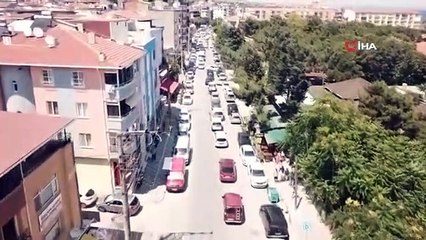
<point x="305" y="222"/>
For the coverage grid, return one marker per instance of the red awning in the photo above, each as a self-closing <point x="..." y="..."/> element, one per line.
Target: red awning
<point x="169" y="85"/>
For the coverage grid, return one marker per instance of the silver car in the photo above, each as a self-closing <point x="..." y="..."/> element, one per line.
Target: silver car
<point x="114" y="204"/>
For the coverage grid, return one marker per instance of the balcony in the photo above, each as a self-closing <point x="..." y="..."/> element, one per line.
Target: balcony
<point x="128" y="147"/>
<point x="123" y="122"/>
<point x="122" y="85"/>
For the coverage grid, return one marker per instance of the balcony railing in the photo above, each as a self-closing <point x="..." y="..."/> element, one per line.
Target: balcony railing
<point x="123" y="122"/>
<point x="123" y="91"/>
<point x="42" y="154"/>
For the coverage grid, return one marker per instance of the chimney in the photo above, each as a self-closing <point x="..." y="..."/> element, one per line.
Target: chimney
<point x="92" y="37"/>
<point x="80" y="27"/>
<point x="7" y="40"/>
<point x="102" y="57"/>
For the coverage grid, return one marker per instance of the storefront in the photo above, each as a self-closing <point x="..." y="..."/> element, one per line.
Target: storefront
<point x="169" y="87"/>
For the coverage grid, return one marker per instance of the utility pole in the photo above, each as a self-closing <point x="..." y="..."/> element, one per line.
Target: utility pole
<point x="127" y="163"/>
<point x="295" y="183"/>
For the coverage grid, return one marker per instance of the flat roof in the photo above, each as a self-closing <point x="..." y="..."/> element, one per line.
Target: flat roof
<point x="23" y="133"/>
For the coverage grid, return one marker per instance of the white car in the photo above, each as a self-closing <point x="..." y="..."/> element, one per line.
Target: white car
<point x="189" y="88"/>
<point x="247" y="154"/>
<point x="88" y="199"/>
<point x="201" y="65"/>
<point x="212" y="87"/>
<point x="222" y="76"/>
<point x="214" y="67"/>
<point x="185" y="120"/>
<point x="184" y="113"/>
<point x="220" y="140"/>
<point x="190" y="75"/>
<point x="218" y="84"/>
<point x="187" y="99"/>
<point x="258" y="178"/>
<point x="216" y="124"/>
<point x="215" y="97"/>
<point x="235" y="118"/>
<point x="183" y="130"/>
<point x="229" y="97"/>
<point x="217" y="113"/>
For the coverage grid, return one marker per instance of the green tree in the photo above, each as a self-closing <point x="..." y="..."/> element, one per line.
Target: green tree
<point x="250" y="60"/>
<point x="384" y="104"/>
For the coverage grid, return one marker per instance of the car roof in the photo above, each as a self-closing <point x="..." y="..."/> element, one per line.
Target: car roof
<point x="257" y="165"/>
<point x="184" y="110"/>
<point x="232" y="199"/>
<point x="184" y="117"/>
<point x="187" y="94"/>
<point x="247" y="147"/>
<point x="216" y="120"/>
<point x="227" y="162"/>
<point x="220" y="134"/>
<point x="275" y="213"/>
<point x="178" y="164"/>
<point x="217" y="109"/>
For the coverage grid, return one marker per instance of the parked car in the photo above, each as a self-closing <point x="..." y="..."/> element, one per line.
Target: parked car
<point x="247" y="154"/>
<point x="208" y="80"/>
<point x="233" y="208"/>
<point x="185" y="121"/>
<point x="273" y="195"/>
<point x="184" y="113"/>
<point x="230" y="97"/>
<point x="114" y="204"/>
<point x="212" y="87"/>
<point x="190" y="75"/>
<point x="227" y="170"/>
<point x="232" y="108"/>
<point x="216" y="124"/>
<point x="214" y="67"/>
<point x="217" y="113"/>
<point x="235" y="118"/>
<point x="258" y="178"/>
<point x="88" y="199"/>
<point x="221" y="140"/>
<point x="187" y="99"/>
<point x="176" y="179"/>
<point x="274" y="221"/>
<point x="222" y="76"/>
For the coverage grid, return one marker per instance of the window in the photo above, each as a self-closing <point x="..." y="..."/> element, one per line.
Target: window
<point x="15" y="86"/>
<point x="77" y="79"/>
<point x="46" y="195"/>
<point x="52" y="108"/>
<point x="47" y="77"/>
<point x="53" y="232"/>
<point x="85" y="139"/>
<point x="153" y="54"/>
<point x="113" y="144"/>
<point x="113" y="111"/>
<point x="81" y="109"/>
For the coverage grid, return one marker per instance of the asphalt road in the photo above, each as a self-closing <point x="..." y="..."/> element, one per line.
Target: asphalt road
<point x="199" y="209"/>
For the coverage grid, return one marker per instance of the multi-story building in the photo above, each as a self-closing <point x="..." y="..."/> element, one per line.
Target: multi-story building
<point x="38" y="195"/>
<point x="221" y="11"/>
<point x="126" y="26"/>
<point x="409" y="19"/>
<point x="265" y="13"/>
<point x="63" y="70"/>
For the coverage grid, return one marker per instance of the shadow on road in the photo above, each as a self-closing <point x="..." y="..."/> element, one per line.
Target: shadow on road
<point x="154" y="176"/>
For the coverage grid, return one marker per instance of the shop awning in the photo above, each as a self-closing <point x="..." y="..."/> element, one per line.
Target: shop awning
<point x="169" y="85"/>
<point x="275" y="136"/>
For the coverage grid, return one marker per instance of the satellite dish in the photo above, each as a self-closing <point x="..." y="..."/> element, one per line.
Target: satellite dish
<point x="28" y="32"/>
<point x="38" y="32"/>
<point x="50" y="41"/>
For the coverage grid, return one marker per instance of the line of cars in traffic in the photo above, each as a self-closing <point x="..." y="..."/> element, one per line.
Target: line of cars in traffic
<point x="272" y="216"/>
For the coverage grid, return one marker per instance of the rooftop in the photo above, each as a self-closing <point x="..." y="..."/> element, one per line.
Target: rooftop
<point x="23" y="133"/>
<point x="349" y="89"/>
<point x="80" y="49"/>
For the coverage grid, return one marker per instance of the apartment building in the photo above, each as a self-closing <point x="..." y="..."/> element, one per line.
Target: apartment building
<point x="62" y="70"/>
<point x="408" y="19"/>
<point x="124" y="26"/>
<point x="265" y="13"/>
<point x="39" y="195"/>
<point x="221" y="11"/>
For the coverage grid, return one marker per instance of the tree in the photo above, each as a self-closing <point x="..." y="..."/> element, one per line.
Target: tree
<point x="369" y="182"/>
<point x="384" y="104"/>
<point x="250" y="60"/>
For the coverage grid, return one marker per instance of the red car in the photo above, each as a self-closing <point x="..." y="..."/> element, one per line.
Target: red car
<point x="227" y="171"/>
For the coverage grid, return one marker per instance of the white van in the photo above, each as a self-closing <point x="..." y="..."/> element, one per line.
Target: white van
<point x="182" y="148"/>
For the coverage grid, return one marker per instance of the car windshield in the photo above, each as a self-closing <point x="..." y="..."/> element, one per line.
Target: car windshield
<point x="218" y="114"/>
<point x="217" y="124"/>
<point x="221" y="139"/>
<point x="134" y="201"/>
<point x="187" y="97"/>
<point x="181" y="151"/>
<point x="258" y="173"/>
<point x="227" y="169"/>
<point x="249" y="153"/>
<point x="184" y="121"/>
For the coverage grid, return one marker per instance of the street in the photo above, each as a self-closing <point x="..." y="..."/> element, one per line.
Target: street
<point x="198" y="212"/>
